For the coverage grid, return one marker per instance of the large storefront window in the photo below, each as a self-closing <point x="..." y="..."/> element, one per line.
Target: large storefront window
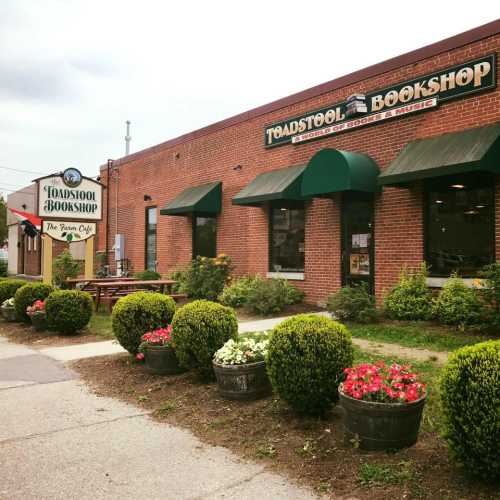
<point x="460" y="224"/>
<point x="151" y="238"/>
<point x="287" y="239"/>
<point x="204" y="236"/>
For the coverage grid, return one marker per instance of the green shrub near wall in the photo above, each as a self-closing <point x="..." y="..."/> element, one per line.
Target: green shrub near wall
<point x="138" y="313"/>
<point x="410" y="299"/>
<point x="236" y="293"/>
<point x="205" y="278"/>
<point x="470" y="399"/>
<point x="306" y="359"/>
<point x="68" y="311"/>
<point x="29" y="293"/>
<point x="65" y="266"/>
<point x="268" y="296"/>
<point x="353" y="303"/>
<point x="199" y="330"/>
<point x="491" y="293"/>
<point x="147" y="274"/>
<point x="8" y="288"/>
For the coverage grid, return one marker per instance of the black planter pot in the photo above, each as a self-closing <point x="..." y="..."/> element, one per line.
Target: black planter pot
<point x="381" y="426"/>
<point x="242" y="382"/>
<point x="39" y="321"/>
<point x="9" y="313"/>
<point x="161" y="360"/>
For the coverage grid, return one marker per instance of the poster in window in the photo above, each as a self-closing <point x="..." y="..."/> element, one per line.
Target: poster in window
<point x="361" y="240"/>
<point x="354" y="263"/>
<point x="364" y="264"/>
<point x="281" y="220"/>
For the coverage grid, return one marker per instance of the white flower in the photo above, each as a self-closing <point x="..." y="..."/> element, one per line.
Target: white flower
<point x="241" y="352"/>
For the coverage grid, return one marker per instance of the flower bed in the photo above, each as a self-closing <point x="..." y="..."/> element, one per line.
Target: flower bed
<point x="36" y="313"/>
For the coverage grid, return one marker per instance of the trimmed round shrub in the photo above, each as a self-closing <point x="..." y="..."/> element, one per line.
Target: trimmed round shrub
<point x="27" y="294"/>
<point x="353" y="303"/>
<point x="8" y="288"/>
<point x="138" y="313"/>
<point x="68" y="311"/>
<point x="410" y="299"/>
<point x="470" y="399"/>
<point x="307" y="355"/>
<point x="199" y="330"/>
<point x="458" y="305"/>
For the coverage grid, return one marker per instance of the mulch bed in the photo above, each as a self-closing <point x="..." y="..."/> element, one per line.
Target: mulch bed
<point x="22" y="333"/>
<point x="311" y="451"/>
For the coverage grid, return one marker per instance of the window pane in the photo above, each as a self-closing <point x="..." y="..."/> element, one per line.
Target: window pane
<point x="151" y="238"/>
<point x="287" y="239"/>
<point x="460" y="225"/>
<point x="205" y="237"/>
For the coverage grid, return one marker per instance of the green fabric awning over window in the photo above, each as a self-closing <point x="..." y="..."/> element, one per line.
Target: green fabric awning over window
<point x="331" y="171"/>
<point x="199" y="200"/>
<point x="283" y="184"/>
<point x="476" y="149"/>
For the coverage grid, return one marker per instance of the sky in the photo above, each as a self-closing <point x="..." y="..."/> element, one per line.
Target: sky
<point x="73" y="71"/>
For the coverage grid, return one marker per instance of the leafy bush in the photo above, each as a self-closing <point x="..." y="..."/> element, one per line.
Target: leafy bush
<point x="138" y="313"/>
<point x="200" y="329"/>
<point x="267" y="296"/>
<point x="65" y="266"/>
<point x="470" y="398"/>
<point x="353" y="303"/>
<point x="236" y="293"/>
<point x="307" y="355"/>
<point x="491" y="292"/>
<point x="410" y="299"/>
<point x="147" y="275"/>
<point x="205" y="278"/>
<point x="3" y="268"/>
<point x="457" y="304"/>
<point x="27" y="294"/>
<point x="68" y="311"/>
<point x="8" y="288"/>
<point x="178" y="275"/>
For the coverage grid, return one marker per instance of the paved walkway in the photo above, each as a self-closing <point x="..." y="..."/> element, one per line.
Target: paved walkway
<point x="60" y="441"/>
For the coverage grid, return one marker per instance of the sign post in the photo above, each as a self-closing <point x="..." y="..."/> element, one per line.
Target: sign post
<point x="69" y="205"/>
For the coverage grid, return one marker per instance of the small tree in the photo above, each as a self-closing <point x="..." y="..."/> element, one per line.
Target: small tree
<point x="64" y="267"/>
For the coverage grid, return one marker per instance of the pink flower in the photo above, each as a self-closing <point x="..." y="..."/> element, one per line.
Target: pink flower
<point x="139" y="356"/>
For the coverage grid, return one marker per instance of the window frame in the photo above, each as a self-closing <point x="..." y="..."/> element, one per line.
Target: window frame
<point x="290" y="205"/>
<point x="427" y="188"/>
<point x="194" y="226"/>
<point x="146" y="235"/>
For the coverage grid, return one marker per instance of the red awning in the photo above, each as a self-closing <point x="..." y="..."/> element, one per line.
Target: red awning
<point x="32" y="218"/>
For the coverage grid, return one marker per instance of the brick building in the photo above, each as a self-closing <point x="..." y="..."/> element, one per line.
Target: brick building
<point x="348" y="181"/>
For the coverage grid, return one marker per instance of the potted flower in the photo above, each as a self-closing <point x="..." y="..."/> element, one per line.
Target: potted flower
<point x="240" y="369"/>
<point x="36" y="312"/>
<point x="383" y="405"/>
<point x="9" y="310"/>
<point x="159" y="353"/>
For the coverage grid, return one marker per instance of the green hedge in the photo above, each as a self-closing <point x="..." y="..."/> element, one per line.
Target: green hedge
<point x="353" y="303"/>
<point x="68" y="311"/>
<point x="268" y="296"/>
<point x="306" y="358"/>
<point x="199" y="330"/>
<point x="27" y="294"/>
<point x="8" y="288"/>
<point x="148" y="274"/>
<point x="138" y="313"/>
<point x="470" y="399"/>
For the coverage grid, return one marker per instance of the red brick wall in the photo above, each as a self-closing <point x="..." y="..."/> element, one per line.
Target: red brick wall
<point x="243" y="232"/>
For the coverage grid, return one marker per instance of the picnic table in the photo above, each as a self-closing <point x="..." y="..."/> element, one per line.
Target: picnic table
<point x="111" y="291"/>
<point x="72" y="282"/>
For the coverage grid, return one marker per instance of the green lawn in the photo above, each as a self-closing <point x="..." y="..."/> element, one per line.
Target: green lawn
<point x="416" y="334"/>
<point x="100" y="324"/>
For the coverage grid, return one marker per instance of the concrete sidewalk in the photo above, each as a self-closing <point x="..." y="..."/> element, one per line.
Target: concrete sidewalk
<point x="59" y="441"/>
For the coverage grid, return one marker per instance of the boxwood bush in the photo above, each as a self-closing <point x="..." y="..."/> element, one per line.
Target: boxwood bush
<point x="470" y="399"/>
<point x="199" y="330"/>
<point x="353" y="303"/>
<point x="8" y="288"/>
<point x="307" y="355"/>
<point x="68" y="311"/>
<point x="410" y="299"/>
<point x="236" y="293"/>
<point x="138" y="313"/>
<point x="458" y="305"/>
<point x="27" y="294"/>
<point x="268" y="296"/>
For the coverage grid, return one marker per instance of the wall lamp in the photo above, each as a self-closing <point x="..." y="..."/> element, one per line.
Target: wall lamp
<point x="147" y="197"/>
<point x="237" y="168"/>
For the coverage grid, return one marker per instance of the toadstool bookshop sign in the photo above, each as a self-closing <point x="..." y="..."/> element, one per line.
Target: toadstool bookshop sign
<point x="69" y="231"/>
<point x="69" y="195"/>
<point x="417" y="95"/>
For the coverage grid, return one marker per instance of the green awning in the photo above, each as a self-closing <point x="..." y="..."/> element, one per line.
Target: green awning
<point x="475" y="149"/>
<point x="331" y="171"/>
<point x="283" y="184"/>
<point x="199" y="200"/>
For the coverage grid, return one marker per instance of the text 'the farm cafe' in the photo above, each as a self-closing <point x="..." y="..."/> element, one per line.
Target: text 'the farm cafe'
<point x="69" y="206"/>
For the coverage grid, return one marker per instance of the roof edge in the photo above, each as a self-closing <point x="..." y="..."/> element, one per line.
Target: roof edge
<point x="450" y="43"/>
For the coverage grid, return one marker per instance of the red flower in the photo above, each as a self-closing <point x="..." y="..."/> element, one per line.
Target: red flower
<point x="139" y="356"/>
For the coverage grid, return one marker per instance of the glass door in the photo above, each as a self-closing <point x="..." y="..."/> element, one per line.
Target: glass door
<point x="357" y="239"/>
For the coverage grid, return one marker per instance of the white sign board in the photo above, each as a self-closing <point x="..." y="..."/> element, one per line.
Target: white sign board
<point x="69" y="196"/>
<point x="68" y="231"/>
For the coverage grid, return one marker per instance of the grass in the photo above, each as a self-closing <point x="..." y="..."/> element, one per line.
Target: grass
<point x="100" y="324"/>
<point x="375" y="474"/>
<point x="420" y="334"/>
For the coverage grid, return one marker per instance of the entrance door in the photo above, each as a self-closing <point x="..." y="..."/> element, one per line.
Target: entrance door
<point x="357" y="239"/>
